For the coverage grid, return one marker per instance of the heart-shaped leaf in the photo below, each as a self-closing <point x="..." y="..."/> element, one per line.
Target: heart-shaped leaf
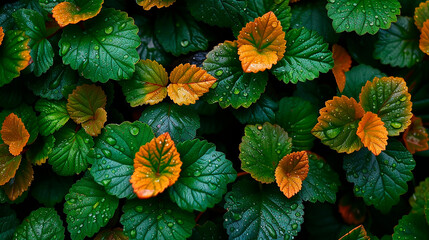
<point x="421" y="14"/>
<point x="14" y="134"/>
<point x="415" y="136"/>
<point x="424" y="38"/>
<point x="357" y="233"/>
<point x="342" y="64"/>
<point x="372" y="133"/>
<point x="43" y="223"/>
<point x="148" y="4"/>
<point x="8" y="164"/>
<point x="21" y="181"/>
<point x="53" y="115"/>
<point x="291" y="171"/>
<point x="74" y="11"/>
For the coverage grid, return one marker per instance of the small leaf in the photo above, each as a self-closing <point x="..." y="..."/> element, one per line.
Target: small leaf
<point x="306" y="56"/>
<point x="357" y="233"/>
<point x="53" y="115"/>
<point x="204" y="176"/>
<point x="261" y="43"/>
<point x="14" y="55"/>
<point x="156" y="218"/>
<point x="372" y="133"/>
<point x="88" y="208"/>
<point x="424" y="38"/>
<point x="415" y="136"/>
<point x="74" y="11"/>
<point x="43" y="223"/>
<point x="111" y="234"/>
<point x="188" y="83"/>
<point x="362" y="16"/>
<point x="388" y="97"/>
<point x="156" y="167"/>
<point x="419" y="200"/>
<point x="148" y="4"/>
<point x="8" y="164"/>
<point x="27" y="116"/>
<point x="342" y="64"/>
<point x="148" y="85"/>
<point x="262" y="148"/>
<point x="86" y="106"/>
<point x="411" y="226"/>
<point x="338" y="123"/>
<point x="40" y="150"/>
<point x="21" y="181"/>
<point x="421" y="14"/>
<point x="14" y="134"/>
<point x="291" y="171"/>
<point x="234" y="87"/>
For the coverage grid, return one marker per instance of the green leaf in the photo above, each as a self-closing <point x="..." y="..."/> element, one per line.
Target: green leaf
<point x="321" y="183"/>
<point x="420" y="199"/>
<point x="42" y="52"/>
<point x="297" y="117"/>
<point x="411" y="226"/>
<point x="88" y="208"/>
<point x="156" y="218"/>
<point x="256" y="211"/>
<point x="313" y="16"/>
<point x="233" y="86"/>
<point x="362" y="16"/>
<point x="261" y="111"/>
<point x="262" y="148"/>
<point x="105" y="49"/>
<point x="50" y="189"/>
<point x="357" y="77"/>
<point x="207" y="231"/>
<point x="28" y="117"/>
<point x="180" y="122"/>
<point x="9" y="164"/>
<point x="111" y="234"/>
<point x="40" y="150"/>
<point x="399" y="45"/>
<point x="381" y="179"/>
<point x="306" y="56"/>
<point x="204" y="176"/>
<point x="69" y="155"/>
<point x="116" y="148"/>
<point x="53" y="115"/>
<point x="43" y="224"/>
<point x="178" y="33"/>
<point x="357" y="233"/>
<point x="48" y="5"/>
<point x="8" y="222"/>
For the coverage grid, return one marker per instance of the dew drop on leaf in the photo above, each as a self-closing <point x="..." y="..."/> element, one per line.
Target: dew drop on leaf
<point x="108" y="30"/>
<point x="184" y="43"/>
<point x="65" y="47"/>
<point x="134" y="131"/>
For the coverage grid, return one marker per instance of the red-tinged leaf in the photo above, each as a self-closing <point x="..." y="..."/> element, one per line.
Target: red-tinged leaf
<point x="14" y="134"/>
<point x="8" y="164"/>
<point x="1" y="35"/>
<point x="415" y="136"/>
<point x="352" y="209"/>
<point x="294" y="1"/>
<point x="148" y="4"/>
<point x="156" y="167"/>
<point x="188" y="83"/>
<point x="20" y="182"/>
<point x="291" y="171"/>
<point x="421" y="14"/>
<point x="93" y="126"/>
<point x="357" y="233"/>
<point x="342" y="64"/>
<point x="424" y="38"/>
<point x="111" y="234"/>
<point x="74" y="11"/>
<point x="372" y="133"/>
<point x="261" y="43"/>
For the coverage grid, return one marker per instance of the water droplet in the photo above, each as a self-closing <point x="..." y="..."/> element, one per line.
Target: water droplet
<point x="95" y="205"/>
<point x="219" y="73"/>
<point x="403" y="98"/>
<point x="107" y="153"/>
<point x="20" y="39"/>
<point x="271" y="231"/>
<point x="55" y="83"/>
<point x="214" y="85"/>
<point x="139" y="209"/>
<point x="125" y="56"/>
<point x="197" y="173"/>
<point x="294" y="206"/>
<point x="396" y="125"/>
<point x="133" y="233"/>
<point x="122" y="26"/>
<point x="179" y="221"/>
<point x="212" y="186"/>
<point x="377" y="22"/>
<point x="65" y="47"/>
<point x="105" y="182"/>
<point x="96" y="47"/>
<point x="236" y="216"/>
<point x="236" y="91"/>
<point x="72" y="200"/>
<point x="134" y="131"/>
<point x="184" y="43"/>
<point x="333" y="132"/>
<point x="111" y="141"/>
<point x="108" y="30"/>
<point x="294" y="226"/>
<point x="259" y="127"/>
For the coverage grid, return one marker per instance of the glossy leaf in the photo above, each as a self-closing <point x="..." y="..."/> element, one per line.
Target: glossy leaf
<point x="14" y="55"/>
<point x="179" y="121"/>
<point x="261" y="212"/>
<point x="261" y="43"/>
<point x="40" y="150"/>
<point x="420" y="198"/>
<point x="357" y="77"/>
<point x="69" y="156"/>
<point x="262" y="148"/>
<point x="357" y="233"/>
<point x="421" y="14"/>
<point x="342" y="64"/>
<point x="116" y="148"/>
<point x="21" y="181"/>
<point x="424" y="38"/>
<point x="88" y="208"/>
<point x="43" y="223"/>
<point x="415" y="136"/>
<point x="148" y="85"/>
<point x="381" y="179"/>
<point x="90" y="51"/>
<point x="338" y="123"/>
<point x="148" y="4"/>
<point x="8" y="164"/>
<point x="411" y="226"/>
<point x="204" y="176"/>
<point x="307" y="56"/>
<point x="234" y="87"/>
<point x="53" y="115"/>
<point x="291" y="171"/>
<point x="188" y="83"/>
<point x="156" y="218"/>
<point x="48" y="5"/>
<point x="74" y="11"/>
<point x="14" y="134"/>
<point x="156" y="167"/>
<point x="372" y="133"/>
<point x="392" y="103"/>
<point x="261" y="111"/>
<point x="362" y="16"/>
<point x="28" y="117"/>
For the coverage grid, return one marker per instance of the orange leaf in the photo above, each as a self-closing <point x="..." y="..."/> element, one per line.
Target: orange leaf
<point x="424" y="38"/>
<point x="415" y="136"/>
<point x="356" y="233"/>
<point x="14" y="134"/>
<point x="8" y="164"/>
<point x="148" y="4"/>
<point x="20" y="183"/>
<point x="156" y="167"/>
<point x="342" y="64"/>
<point x="1" y="35"/>
<point x="421" y="14"/>
<point x="188" y="83"/>
<point x="93" y="126"/>
<point x="261" y="43"/>
<point x="372" y="132"/>
<point x="66" y="13"/>
<point x="291" y="171"/>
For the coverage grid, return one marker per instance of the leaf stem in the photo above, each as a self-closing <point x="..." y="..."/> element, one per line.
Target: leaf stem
<point x="242" y="174"/>
<point x="198" y="216"/>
